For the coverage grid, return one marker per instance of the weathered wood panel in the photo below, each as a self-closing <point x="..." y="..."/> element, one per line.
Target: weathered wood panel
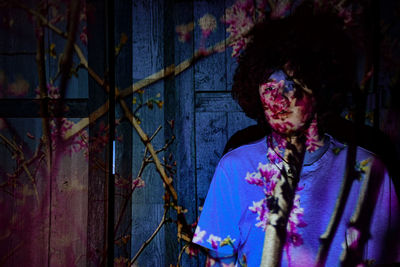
<point x="25" y="205"/>
<point x="210" y="72"/>
<point x="184" y="120"/>
<point x="148" y="58"/>
<point x="123" y="148"/>
<point x="97" y="201"/>
<point x="17" y="53"/>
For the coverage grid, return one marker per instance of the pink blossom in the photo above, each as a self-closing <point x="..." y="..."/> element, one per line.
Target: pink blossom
<point x="198" y="235"/>
<point x="352" y="237"/>
<point x="207" y="24"/>
<point x="83" y="36"/>
<point x="192" y="250"/>
<point x="273" y="156"/>
<point x="241" y="17"/>
<point x="74" y="144"/>
<point x="138" y="183"/>
<point x="214" y="240"/>
<point x="313" y="141"/>
<point x="260" y="207"/>
<point x="184" y="31"/>
<point x="210" y="262"/>
<point x="280" y="140"/>
<point x="254" y="178"/>
<point x="271" y="174"/>
<point x="53" y="91"/>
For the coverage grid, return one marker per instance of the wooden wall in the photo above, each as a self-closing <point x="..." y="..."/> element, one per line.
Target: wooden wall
<point x="65" y="224"/>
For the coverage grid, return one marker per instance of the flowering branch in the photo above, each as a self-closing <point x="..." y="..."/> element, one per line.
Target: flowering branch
<point x="284" y="195"/>
<point x="138" y="176"/>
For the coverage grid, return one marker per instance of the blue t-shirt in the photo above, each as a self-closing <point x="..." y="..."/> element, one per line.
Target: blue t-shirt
<point x="231" y="223"/>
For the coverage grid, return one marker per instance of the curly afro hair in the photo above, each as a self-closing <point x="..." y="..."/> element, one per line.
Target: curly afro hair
<point x="318" y="51"/>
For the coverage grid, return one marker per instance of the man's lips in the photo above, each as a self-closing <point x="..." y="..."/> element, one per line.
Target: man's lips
<point x="280" y="114"/>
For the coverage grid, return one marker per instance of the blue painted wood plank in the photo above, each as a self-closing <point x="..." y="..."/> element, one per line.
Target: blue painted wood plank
<point x="147" y="38"/>
<point x="210" y="72"/>
<point x="148" y="58"/>
<point x="145" y="221"/>
<point x="124" y="148"/>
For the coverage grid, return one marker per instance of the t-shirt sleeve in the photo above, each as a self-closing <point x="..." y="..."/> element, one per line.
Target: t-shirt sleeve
<point x="385" y="226"/>
<point x="218" y="227"/>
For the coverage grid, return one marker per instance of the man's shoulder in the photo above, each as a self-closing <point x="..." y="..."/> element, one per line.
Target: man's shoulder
<point x="254" y="151"/>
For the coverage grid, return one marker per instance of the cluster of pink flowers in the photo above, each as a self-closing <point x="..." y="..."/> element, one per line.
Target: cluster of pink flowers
<point x="267" y="176"/>
<point x="313" y="141"/>
<point x="75" y="144"/>
<point x="53" y="91"/>
<point x="184" y="32"/>
<point x="241" y="17"/>
<point x="207" y="24"/>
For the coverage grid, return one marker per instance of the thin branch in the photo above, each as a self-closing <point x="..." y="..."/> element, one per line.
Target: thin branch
<point x="145" y="139"/>
<point x="140" y="173"/>
<point x="147" y="242"/>
<point x="27" y="163"/>
<point x="11" y="253"/>
<point x="155" y="133"/>
<point x="24" y="166"/>
<point x="178" y="263"/>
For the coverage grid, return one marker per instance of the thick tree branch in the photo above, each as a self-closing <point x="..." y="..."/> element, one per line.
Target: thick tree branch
<point x="284" y="194"/>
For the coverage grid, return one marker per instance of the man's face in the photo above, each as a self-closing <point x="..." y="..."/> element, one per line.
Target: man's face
<point x="287" y="104"/>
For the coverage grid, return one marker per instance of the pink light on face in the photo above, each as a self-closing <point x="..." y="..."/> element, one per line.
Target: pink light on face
<point x="285" y="112"/>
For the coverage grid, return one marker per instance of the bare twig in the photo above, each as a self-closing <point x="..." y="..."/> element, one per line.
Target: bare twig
<point x="147" y="242"/>
<point x="160" y="169"/>
<point x="140" y="173"/>
<point x="178" y="263"/>
<point x="24" y="165"/>
<point x="11" y="253"/>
